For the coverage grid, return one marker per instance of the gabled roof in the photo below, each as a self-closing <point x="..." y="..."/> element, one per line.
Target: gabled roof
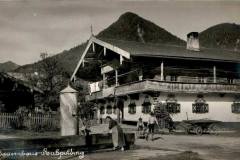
<point x="68" y="89"/>
<point x="174" y="51"/>
<point x="21" y="82"/>
<point x="138" y="49"/>
<point x="106" y="45"/>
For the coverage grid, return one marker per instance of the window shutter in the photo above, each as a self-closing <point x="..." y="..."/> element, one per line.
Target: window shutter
<point x="233" y="108"/>
<point x="143" y="109"/>
<point x="114" y="109"/>
<point x="129" y="109"/>
<point x="236" y="107"/>
<point x="102" y="110"/>
<point x="178" y="108"/>
<point x="206" y="108"/>
<point x="109" y="109"/>
<point x="132" y="108"/>
<point x="194" y="108"/>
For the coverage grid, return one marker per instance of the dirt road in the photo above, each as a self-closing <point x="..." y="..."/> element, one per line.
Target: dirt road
<point x="171" y="147"/>
<point x="208" y="147"/>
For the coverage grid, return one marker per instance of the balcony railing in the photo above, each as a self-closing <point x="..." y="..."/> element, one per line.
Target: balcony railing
<point x="163" y="86"/>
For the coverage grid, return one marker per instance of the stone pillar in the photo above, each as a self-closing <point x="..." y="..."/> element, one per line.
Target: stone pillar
<point x="68" y="109"/>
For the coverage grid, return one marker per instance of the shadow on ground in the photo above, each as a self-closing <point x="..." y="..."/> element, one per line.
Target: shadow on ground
<point x="188" y="155"/>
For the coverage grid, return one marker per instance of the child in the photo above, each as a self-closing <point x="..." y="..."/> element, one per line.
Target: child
<point x="140" y="124"/>
<point x="140" y="127"/>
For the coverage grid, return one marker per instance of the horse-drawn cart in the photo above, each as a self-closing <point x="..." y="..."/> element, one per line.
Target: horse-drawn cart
<point x="200" y="126"/>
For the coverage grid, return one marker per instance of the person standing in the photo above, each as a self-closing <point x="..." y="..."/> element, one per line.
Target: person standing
<point x="140" y="124"/>
<point x="151" y="125"/>
<point x="140" y="128"/>
<point x="117" y="134"/>
<point x="170" y="123"/>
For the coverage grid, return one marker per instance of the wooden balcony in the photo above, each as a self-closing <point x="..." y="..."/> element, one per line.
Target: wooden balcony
<point x="163" y="86"/>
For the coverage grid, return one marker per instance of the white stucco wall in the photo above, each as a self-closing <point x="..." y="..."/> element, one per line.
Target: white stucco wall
<point x="138" y="114"/>
<point x="219" y="108"/>
<point x="114" y="116"/>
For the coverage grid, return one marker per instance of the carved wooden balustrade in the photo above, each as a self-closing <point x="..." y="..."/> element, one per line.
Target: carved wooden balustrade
<point x="163" y="86"/>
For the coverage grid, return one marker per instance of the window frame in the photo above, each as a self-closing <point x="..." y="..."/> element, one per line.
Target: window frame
<point x="173" y="109"/>
<point x="200" y="106"/>
<point x="233" y="107"/>
<point x="146" y="105"/>
<point x="132" y="107"/>
<point x="102" y="109"/>
<point x="109" y="109"/>
<point x="173" y="101"/>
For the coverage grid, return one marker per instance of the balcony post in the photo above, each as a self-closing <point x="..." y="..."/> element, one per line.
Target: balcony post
<point x="104" y="51"/>
<point x="116" y="77"/>
<point x="121" y="59"/>
<point x="93" y="47"/>
<point x="162" y="65"/>
<point x="83" y="63"/>
<point x="104" y="80"/>
<point x="214" y="74"/>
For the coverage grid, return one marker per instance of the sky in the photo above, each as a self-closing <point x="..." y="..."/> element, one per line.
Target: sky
<point x="30" y="27"/>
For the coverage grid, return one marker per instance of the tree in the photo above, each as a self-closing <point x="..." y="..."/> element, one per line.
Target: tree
<point x="87" y="110"/>
<point x="161" y="114"/>
<point x="51" y="79"/>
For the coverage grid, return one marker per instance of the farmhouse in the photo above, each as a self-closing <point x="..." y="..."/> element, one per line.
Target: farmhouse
<point x="15" y="93"/>
<point x="193" y="82"/>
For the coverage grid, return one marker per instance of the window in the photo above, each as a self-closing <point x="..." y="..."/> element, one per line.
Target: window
<point x="132" y="107"/>
<point x="146" y="106"/>
<point x="230" y="80"/>
<point x="109" y="109"/>
<point x="173" y="78"/>
<point x="102" y="110"/>
<point x="236" y="107"/>
<point x="114" y="109"/>
<point x="171" y="105"/>
<point x="200" y="105"/>
<point x="201" y="80"/>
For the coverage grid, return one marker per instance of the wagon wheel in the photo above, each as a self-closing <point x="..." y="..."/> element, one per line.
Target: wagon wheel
<point x="212" y="129"/>
<point x="198" y="130"/>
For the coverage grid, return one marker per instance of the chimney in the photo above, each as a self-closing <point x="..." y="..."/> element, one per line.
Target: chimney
<point x="193" y="41"/>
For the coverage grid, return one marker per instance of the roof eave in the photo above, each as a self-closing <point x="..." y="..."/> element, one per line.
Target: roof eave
<point x="187" y="58"/>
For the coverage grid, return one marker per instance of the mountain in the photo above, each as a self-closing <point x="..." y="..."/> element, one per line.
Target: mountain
<point x="225" y="35"/>
<point x="132" y="27"/>
<point x="8" y="66"/>
<point x="67" y="59"/>
<point x="129" y="27"/>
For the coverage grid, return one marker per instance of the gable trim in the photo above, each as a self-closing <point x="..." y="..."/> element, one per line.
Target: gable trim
<point x="106" y="45"/>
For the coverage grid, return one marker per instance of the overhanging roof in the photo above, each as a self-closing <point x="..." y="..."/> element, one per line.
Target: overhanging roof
<point x="106" y="45"/>
<point x="138" y="49"/>
<point x="174" y="51"/>
<point x="21" y="82"/>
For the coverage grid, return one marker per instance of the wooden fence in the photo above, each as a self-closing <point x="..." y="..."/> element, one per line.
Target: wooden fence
<point x="30" y="121"/>
<point x="7" y="119"/>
